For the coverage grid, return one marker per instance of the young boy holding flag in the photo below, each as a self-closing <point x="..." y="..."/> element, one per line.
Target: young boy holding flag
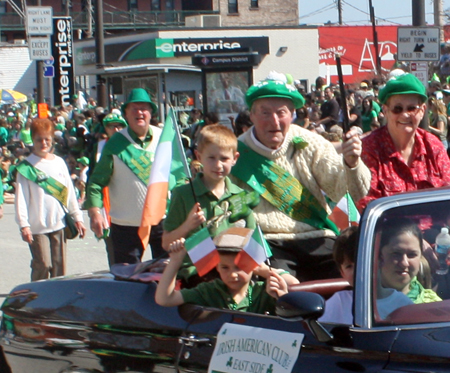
<point x="212" y="200"/>
<point x="235" y="289"/>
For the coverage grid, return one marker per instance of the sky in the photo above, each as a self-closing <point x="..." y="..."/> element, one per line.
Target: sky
<point x="356" y="12"/>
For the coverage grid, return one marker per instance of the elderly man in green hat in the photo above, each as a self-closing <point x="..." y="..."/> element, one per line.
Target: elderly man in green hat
<point x="124" y="167"/>
<point x="409" y="158"/>
<point x="291" y="168"/>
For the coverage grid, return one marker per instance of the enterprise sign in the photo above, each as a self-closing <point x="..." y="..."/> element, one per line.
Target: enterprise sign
<point x="169" y="48"/>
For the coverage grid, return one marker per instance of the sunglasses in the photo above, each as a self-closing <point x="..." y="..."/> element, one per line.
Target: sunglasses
<point x="413" y="109"/>
<point x="119" y="126"/>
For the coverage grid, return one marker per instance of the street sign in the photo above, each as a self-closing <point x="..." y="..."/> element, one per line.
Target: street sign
<point x="39" y="48"/>
<point x="420" y="70"/>
<point x="418" y="43"/>
<point x="39" y="20"/>
<point x="49" y="71"/>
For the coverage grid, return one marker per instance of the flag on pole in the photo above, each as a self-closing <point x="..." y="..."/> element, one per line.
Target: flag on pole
<point x="202" y="251"/>
<point x="254" y="253"/>
<point x="168" y="167"/>
<point x="345" y="213"/>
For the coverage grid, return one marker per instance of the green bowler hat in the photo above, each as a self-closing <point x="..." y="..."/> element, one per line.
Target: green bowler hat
<point x="139" y="95"/>
<point x="274" y="88"/>
<point x="406" y="84"/>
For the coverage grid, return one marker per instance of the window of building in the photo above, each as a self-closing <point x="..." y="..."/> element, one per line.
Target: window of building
<point x="232" y="6"/>
<point x="170" y="5"/>
<point x="132" y="4"/>
<point x="2" y="7"/>
<point x="155" y="5"/>
<point x="253" y="3"/>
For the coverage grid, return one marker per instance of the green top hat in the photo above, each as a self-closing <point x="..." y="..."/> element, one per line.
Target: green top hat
<point x="274" y="88"/>
<point x="406" y="84"/>
<point x="139" y="95"/>
<point x="114" y="118"/>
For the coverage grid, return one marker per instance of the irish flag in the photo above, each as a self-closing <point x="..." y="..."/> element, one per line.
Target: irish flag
<point x="168" y="167"/>
<point x="254" y="253"/>
<point x="202" y="251"/>
<point x="345" y="213"/>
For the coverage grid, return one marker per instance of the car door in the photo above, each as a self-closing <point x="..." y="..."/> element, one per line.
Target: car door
<point x="352" y="349"/>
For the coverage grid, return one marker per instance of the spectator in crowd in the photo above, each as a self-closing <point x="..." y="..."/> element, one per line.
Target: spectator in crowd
<point x="410" y="157"/>
<point x="369" y="115"/>
<point x="279" y="160"/>
<point x="125" y="167"/>
<point x="330" y="110"/>
<point x="112" y="123"/>
<point x="438" y="122"/>
<point x="43" y="187"/>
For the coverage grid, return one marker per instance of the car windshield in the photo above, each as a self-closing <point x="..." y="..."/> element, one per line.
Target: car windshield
<point x="411" y="278"/>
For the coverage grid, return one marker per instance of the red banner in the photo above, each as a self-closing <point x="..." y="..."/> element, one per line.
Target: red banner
<point x="356" y="47"/>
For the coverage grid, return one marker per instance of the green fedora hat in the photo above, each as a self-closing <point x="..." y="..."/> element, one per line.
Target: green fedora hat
<point x="139" y="95"/>
<point x="406" y="84"/>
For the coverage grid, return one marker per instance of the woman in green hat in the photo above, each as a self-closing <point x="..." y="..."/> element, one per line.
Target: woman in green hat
<point x="400" y="155"/>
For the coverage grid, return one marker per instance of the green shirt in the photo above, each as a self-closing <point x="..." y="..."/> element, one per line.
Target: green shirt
<point x="104" y="169"/>
<point x="3" y="136"/>
<point x="215" y="294"/>
<point x="182" y="201"/>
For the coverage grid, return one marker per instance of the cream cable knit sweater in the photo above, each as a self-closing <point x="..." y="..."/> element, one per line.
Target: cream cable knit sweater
<point x="318" y="168"/>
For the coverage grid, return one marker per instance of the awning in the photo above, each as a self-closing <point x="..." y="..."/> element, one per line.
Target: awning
<point x="150" y="67"/>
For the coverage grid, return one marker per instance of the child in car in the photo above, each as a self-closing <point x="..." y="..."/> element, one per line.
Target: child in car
<point x="235" y="289"/>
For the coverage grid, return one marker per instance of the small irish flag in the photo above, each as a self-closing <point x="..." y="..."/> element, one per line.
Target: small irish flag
<point x="345" y="213"/>
<point x="202" y="251"/>
<point x="254" y="253"/>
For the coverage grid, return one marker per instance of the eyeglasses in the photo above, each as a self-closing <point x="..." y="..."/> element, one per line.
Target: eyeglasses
<point x="114" y="126"/>
<point x="413" y="109"/>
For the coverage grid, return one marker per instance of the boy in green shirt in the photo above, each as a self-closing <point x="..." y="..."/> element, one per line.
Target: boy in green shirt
<point x="235" y="289"/>
<point x="214" y="192"/>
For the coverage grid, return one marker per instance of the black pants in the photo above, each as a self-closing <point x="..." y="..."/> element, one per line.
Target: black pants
<point x="308" y="260"/>
<point x="128" y="246"/>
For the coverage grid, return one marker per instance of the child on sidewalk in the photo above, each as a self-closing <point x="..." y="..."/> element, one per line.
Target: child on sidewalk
<point x="235" y="289"/>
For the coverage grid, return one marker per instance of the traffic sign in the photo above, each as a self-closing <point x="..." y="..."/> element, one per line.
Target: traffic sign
<point x="39" y="20"/>
<point x="420" y="70"/>
<point x="49" y="71"/>
<point x="418" y="43"/>
<point x="39" y="48"/>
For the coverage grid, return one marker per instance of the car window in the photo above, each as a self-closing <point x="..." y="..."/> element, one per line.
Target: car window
<point x="408" y="286"/>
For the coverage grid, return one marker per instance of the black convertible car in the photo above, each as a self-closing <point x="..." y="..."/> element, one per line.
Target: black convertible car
<point x="103" y="323"/>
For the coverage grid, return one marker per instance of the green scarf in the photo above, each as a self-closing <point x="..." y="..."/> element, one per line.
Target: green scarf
<point x="418" y="294"/>
<point x="138" y="160"/>
<point x="50" y="185"/>
<point x="280" y="189"/>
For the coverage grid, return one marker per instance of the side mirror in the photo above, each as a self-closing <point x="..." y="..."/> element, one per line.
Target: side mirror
<point x="300" y="305"/>
<point x="305" y="306"/>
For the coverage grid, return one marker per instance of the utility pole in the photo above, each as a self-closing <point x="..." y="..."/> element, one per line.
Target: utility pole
<point x="40" y="76"/>
<point x="340" y="11"/>
<point x="100" y="53"/>
<point x="418" y="13"/>
<point x="439" y="18"/>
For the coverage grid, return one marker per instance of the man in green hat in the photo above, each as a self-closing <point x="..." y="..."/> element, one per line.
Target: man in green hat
<point x="124" y="167"/>
<point x="290" y="167"/>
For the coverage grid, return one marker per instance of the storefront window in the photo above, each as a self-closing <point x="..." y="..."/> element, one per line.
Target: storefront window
<point x="232" y="6"/>
<point x="149" y="83"/>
